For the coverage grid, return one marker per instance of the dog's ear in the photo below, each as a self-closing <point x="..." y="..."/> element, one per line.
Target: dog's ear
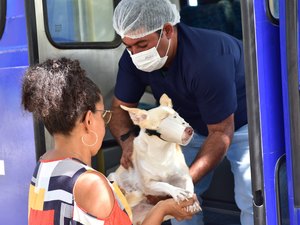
<point x="137" y="115"/>
<point x="165" y="101"/>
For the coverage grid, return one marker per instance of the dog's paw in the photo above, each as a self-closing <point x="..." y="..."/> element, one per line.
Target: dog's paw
<point x="179" y="194"/>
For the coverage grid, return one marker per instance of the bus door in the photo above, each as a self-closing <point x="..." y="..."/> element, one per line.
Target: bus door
<point x="289" y="41"/>
<point x="265" y="106"/>
<point x="80" y="30"/>
<point x="17" y="145"/>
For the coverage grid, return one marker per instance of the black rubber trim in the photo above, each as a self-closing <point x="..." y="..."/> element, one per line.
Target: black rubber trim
<point x="269" y="14"/>
<point x="80" y="45"/>
<point x="39" y="132"/>
<point x="3" y="9"/>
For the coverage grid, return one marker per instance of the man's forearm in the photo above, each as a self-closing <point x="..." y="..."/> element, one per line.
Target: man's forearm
<point x="211" y="154"/>
<point x="120" y="123"/>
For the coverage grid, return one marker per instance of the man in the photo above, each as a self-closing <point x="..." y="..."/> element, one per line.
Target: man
<point x="202" y="71"/>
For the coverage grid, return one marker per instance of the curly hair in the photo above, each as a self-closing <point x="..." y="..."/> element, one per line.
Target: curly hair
<point x="58" y="92"/>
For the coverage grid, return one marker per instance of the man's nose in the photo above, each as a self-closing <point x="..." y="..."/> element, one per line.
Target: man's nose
<point x="134" y="50"/>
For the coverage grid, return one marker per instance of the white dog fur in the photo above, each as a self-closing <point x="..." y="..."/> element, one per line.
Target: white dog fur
<point x="159" y="167"/>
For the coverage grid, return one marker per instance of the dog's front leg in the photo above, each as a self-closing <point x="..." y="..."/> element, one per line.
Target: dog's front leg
<point x="162" y="188"/>
<point x="189" y="186"/>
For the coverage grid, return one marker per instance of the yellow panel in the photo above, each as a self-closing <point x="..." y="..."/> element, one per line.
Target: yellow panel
<point x="36" y="198"/>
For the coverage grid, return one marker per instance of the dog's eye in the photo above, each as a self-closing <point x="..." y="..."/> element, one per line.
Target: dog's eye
<point x="175" y="117"/>
<point x="183" y="123"/>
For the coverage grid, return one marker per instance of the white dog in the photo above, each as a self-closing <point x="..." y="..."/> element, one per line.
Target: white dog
<point x="159" y="167"/>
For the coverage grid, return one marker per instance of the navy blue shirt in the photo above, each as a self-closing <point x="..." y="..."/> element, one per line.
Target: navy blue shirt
<point x="206" y="80"/>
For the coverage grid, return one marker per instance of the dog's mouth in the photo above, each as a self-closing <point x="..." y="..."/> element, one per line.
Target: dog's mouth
<point x="175" y="131"/>
<point x="187" y="135"/>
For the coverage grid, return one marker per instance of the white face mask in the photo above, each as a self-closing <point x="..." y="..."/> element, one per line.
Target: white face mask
<point x="150" y="60"/>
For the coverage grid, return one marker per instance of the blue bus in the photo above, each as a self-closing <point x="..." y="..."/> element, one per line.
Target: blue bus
<point x="33" y="30"/>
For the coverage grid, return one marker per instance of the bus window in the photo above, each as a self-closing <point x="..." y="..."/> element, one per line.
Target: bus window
<point x="213" y="14"/>
<point x="282" y="192"/>
<point x="274" y="8"/>
<point x="75" y="21"/>
<point x="2" y="16"/>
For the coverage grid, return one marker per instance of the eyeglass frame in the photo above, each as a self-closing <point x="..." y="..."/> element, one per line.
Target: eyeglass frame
<point x="103" y="113"/>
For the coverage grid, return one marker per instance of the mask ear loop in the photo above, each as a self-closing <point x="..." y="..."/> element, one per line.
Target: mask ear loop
<point x="169" y="44"/>
<point x="159" y="42"/>
<point x="159" y="38"/>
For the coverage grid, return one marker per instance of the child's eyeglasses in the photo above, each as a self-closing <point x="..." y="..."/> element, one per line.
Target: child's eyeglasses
<point x="106" y="115"/>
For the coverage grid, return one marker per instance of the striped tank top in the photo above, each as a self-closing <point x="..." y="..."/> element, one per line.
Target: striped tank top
<point x="51" y="200"/>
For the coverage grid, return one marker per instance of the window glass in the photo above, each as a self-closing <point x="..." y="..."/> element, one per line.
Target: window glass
<point x="274" y="8"/>
<point x="72" y="21"/>
<point x="215" y="15"/>
<point x="2" y="16"/>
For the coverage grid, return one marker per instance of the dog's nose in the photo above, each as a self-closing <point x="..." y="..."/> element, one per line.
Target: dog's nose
<point x="189" y="130"/>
